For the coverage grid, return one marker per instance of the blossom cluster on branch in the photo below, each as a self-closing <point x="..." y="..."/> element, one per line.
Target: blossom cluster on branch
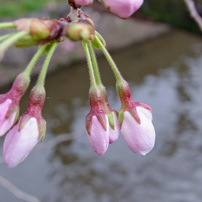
<point x="103" y="124"/>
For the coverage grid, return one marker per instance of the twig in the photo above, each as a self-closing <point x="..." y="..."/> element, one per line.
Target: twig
<point x="56" y="140"/>
<point x="17" y="192"/>
<point x="51" y="143"/>
<point x="194" y="13"/>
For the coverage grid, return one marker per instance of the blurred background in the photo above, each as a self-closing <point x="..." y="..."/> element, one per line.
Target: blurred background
<point x="158" y="51"/>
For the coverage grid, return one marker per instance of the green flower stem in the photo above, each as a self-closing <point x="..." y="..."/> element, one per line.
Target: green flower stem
<point x="30" y="66"/>
<point x="95" y="65"/>
<point x="41" y="80"/>
<point x="11" y="40"/>
<point x="90" y="66"/>
<point x="118" y="75"/>
<point x="4" y="37"/>
<point x="5" y="25"/>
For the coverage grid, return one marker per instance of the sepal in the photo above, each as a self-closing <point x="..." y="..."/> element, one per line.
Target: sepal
<point x="95" y="41"/>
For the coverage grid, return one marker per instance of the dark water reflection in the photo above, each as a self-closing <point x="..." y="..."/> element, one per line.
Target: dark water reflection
<point x="164" y="73"/>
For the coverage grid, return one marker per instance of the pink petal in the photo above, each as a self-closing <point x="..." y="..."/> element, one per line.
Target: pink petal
<point x="99" y="138"/>
<point x="139" y="137"/>
<point x="6" y="124"/>
<point x="114" y="134"/>
<point x="123" y="8"/>
<point x="83" y="2"/>
<point x="18" y="144"/>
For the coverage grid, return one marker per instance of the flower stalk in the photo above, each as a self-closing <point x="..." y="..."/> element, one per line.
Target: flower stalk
<point x="6" y="36"/>
<point x="5" y="25"/>
<point x="10" y="41"/>
<point x="90" y="66"/>
<point x="41" y="79"/>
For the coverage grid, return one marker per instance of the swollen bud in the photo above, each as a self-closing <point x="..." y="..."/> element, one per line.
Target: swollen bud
<point x="80" y="31"/>
<point x="40" y="30"/>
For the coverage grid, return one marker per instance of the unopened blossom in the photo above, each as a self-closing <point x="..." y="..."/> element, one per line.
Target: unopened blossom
<point x="97" y="124"/>
<point x="20" y="140"/>
<point x="82" y="2"/>
<point x="6" y="121"/>
<point x="114" y="132"/>
<point x="136" y="122"/>
<point x="112" y="115"/>
<point x="27" y="132"/>
<point x="9" y="103"/>
<point x="98" y="136"/>
<point x="123" y="9"/>
<point x="140" y="137"/>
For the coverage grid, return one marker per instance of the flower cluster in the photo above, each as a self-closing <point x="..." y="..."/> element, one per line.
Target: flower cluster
<point x="103" y="124"/>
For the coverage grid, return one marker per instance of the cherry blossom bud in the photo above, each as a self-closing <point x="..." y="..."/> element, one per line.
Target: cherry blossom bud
<point x="139" y="137"/>
<point x="98" y="136"/>
<point x="79" y="3"/>
<point x="40" y="30"/>
<point x="135" y="119"/>
<point x="20" y="140"/>
<point x="112" y="115"/>
<point x="6" y="122"/>
<point x="114" y="132"/>
<point x="9" y="103"/>
<point x="123" y="9"/>
<point x="27" y="132"/>
<point x="80" y="31"/>
<point x="97" y="124"/>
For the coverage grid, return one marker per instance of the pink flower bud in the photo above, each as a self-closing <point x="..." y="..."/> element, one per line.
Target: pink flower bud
<point x="114" y="133"/>
<point x="114" y="128"/>
<point x="20" y="140"/>
<point x="9" y="103"/>
<point x="83" y="2"/>
<point x="6" y="122"/>
<point x="29" y="129"/>
<point x="136" y="122"/>
<point x="97" y="124"/>
<point x="98" y="136"/>
<point x="122" y="8"/>
<point x="139" y="137"/>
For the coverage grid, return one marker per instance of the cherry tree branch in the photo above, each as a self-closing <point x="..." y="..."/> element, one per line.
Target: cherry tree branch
<point x="17" y="192"/>
<point x="49" y="144"/>
<point x="194" y="13"/>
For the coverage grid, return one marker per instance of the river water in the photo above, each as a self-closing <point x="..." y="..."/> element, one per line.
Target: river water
<point x="166" y="74"/>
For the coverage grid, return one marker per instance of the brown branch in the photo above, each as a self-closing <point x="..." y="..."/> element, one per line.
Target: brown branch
<point x="194" y="13"/>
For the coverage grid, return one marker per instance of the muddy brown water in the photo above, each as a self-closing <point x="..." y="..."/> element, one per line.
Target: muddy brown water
<point x="165" y="73"/>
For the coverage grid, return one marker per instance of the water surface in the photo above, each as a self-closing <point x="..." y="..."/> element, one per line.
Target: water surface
<point x="166" y="74"/>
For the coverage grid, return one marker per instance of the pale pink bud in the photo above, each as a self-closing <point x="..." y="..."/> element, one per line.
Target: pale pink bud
<point x="20" y="140"/>
<point x="98" y="136"/>
<point x="6" y="120"/>
<point x="83" y="2"/>
<point x="140" y="137"/>
<point x="122" y="8"/>
<point x="9" y="103"/>
<point x="29" y="129"/>
<point x="114" y="133"/>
